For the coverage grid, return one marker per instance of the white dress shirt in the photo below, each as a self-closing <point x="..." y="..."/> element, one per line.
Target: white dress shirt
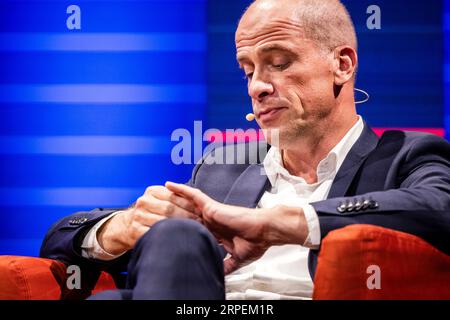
<point x="282" y="272"/>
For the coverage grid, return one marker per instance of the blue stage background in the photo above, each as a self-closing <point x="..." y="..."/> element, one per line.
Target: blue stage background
<point x="86" y="115"/>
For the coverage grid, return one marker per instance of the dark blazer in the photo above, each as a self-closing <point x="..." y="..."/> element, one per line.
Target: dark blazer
<point x="400" y="181"/>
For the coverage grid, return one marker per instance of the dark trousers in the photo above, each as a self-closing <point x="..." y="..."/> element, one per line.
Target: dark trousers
<point x="177" y="259"/>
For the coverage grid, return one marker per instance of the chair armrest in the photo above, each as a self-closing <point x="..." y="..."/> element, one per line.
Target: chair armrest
<point x="28" y="278"/>
<point x="409" y="267"/>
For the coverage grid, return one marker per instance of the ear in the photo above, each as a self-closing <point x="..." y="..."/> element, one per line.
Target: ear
<point x="346" y="60"/>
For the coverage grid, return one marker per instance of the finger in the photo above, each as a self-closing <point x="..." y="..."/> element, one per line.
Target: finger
<point x="230" y="265"/>
<point x="184" y="203"/>
<point x="162" y="193"/>
<point x="227" y="245"/>
<point x="147" y="219"/>
<point x="152" y="205"/>
<point x="199" y="198"/>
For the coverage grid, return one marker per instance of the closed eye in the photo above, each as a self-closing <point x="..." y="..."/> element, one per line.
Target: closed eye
<point x="281" y="66"/>
<point x="248" y="76"/>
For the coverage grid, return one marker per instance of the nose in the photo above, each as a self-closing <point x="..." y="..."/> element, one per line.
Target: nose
<point x="258" y="88"/>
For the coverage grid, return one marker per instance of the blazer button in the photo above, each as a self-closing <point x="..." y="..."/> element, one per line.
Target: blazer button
<point x="350" y="206"/>
<point x="78" y="221"/>
<point x="373" y="204"/>
<point x="358" y="205"/>
<point x="341" y="208"/>
<point x="366" y="204"/>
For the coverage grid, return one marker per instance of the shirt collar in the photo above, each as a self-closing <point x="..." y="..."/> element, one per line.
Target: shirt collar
<point x="328" y="167"/>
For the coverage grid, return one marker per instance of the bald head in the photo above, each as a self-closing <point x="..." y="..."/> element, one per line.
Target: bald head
<point x="326" y="22"/>
<point x="299" y="58"/>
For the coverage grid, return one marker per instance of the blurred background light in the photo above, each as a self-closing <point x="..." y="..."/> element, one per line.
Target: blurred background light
<point x="86" y="116"/>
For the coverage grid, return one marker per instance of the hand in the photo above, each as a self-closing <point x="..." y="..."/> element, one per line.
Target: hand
<point x="121" y="232"/>
<point x="246" y="233"/>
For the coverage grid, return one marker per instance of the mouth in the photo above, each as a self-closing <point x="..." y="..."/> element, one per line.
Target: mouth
<point x="270" y="114"/>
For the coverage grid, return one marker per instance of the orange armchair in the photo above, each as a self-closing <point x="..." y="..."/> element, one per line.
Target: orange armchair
<point x="407" y="266"/>
<point x="28" y="278"/>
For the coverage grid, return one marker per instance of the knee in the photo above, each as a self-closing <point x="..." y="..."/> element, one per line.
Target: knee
<point x="122" y="294"/>
<point x="174" y="226"/>
<point x="175" y="230"/>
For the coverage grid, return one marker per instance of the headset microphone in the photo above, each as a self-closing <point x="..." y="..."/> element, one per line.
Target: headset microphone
<point x="250" y="117"/>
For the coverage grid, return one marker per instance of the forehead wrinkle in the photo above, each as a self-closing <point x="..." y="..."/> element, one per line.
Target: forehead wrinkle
<point x="276" y="27"/>
<point x="273" y="44"/>
<point x="277" y="46"/>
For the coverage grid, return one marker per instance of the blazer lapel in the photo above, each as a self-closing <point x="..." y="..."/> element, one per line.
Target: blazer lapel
<point x="251" y="184"/>
<point x="249" y="187"/>
<point x="366" y="143"/>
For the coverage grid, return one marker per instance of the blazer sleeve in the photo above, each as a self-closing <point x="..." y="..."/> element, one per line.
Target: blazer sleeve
<point x="63" y="240"/>
<point x="420" y="205"/>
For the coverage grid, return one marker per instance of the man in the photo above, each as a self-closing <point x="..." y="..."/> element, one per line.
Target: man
<point x="327" y="170"/>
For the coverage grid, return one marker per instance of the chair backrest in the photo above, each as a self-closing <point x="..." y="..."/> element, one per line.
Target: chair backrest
<point x="371" y="262"/>
<point x="28" y="278"/>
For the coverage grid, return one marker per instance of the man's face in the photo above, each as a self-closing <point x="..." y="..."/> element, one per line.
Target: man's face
<point x="290" y="78"/>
